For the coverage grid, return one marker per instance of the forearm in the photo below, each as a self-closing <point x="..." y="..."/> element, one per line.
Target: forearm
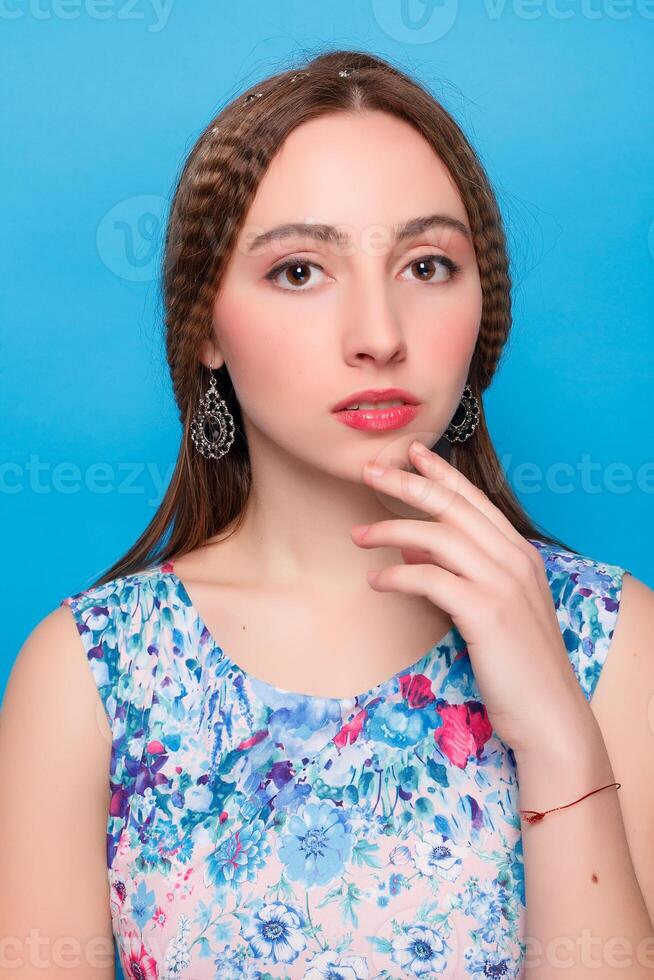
<point x="586" y="915"/>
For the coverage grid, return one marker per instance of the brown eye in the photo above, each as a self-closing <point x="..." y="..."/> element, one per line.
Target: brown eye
<point x="296" y="274"/>
<point x="434" y="268"/>
<point x="424" y="268"/>
<point x="291" y="274"/>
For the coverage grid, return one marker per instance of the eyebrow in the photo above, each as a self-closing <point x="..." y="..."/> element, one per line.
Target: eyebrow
<point x="328" y="233"/>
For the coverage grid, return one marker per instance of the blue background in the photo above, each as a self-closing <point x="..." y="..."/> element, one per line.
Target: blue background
<point x="106" y="102"/>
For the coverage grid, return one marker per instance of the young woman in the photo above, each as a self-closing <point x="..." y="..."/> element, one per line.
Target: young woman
<point x="303" y="771"/>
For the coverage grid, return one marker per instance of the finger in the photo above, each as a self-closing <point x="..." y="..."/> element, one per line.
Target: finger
<point x="432" y="465"/>
<point x="447" y="591"/>
<point x="449" y="507"/>
<point x="440" y="471"/>
<point x="441" y="544"/>
<point x="414" y="556"/>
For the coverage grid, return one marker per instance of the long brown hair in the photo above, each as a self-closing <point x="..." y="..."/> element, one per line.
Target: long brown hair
<point x="214" y="190"/>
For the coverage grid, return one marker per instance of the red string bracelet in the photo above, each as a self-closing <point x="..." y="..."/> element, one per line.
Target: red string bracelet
<point x="538" y="815"/>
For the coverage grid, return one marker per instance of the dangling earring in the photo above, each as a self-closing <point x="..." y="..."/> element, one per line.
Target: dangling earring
<point x="212" y="426"/>
<point x="463" y="429"/>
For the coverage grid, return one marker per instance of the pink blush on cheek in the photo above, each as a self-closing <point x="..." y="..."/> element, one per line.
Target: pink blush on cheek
<point x="266" y="365"/>
<point x="452" y="345"/>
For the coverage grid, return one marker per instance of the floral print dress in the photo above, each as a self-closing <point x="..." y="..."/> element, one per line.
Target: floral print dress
<point x="255" y="832"/>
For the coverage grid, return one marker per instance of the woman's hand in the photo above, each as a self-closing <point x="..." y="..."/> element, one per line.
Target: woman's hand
<point x="469" y="560"/>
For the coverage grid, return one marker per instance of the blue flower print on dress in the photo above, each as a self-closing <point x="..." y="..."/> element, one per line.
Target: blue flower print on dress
<point x="316" y="844"/>
<point x="261" y="833"/>
<point x="276" y="933"/>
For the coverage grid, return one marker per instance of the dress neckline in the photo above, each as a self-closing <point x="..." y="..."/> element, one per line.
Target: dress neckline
<point x="449" y="639"/>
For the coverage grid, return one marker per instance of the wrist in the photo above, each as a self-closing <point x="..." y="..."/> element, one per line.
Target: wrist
<point x="554" y="776"/>
<point x="570" y="734"/>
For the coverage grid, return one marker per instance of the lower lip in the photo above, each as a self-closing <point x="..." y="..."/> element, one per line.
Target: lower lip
<point x="378" y="419"/>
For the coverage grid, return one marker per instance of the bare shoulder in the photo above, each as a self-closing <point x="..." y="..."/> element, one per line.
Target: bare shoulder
<point x="630" y="661"/>
<point x="55" y="750"/>
<point x="623" y="704"/>
<point x="52" y="666"/>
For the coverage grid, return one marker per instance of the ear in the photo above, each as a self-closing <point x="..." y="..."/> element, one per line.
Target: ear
<point x="210" y="354"/>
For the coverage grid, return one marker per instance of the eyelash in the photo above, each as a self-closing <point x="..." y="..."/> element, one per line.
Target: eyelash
<point x="449" y="264"/>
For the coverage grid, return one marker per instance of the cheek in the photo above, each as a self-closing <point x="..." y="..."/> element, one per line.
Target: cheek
<point x="262" y="354"/>
<point x="453" y="328"/>
<point x="453" y="343"/>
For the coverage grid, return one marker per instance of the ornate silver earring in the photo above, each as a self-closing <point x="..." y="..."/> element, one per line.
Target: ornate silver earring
<point x="212" y="426"/>
<point x="463" y="429"/>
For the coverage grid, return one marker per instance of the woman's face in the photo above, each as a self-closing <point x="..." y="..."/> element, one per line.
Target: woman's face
<point x="374" y="313"/>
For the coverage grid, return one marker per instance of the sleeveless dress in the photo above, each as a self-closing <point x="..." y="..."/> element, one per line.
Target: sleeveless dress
<point x="255" y="832"/>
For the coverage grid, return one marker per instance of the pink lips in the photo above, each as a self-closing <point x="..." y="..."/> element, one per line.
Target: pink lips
<point x="376" y="395"/>
<point x="377" y="419"/>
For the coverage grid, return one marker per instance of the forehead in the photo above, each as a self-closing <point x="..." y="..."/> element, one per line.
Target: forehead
<point x="353" y="170"/>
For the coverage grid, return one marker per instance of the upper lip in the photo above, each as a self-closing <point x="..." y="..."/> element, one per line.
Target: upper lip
<point x="376" y="395"/>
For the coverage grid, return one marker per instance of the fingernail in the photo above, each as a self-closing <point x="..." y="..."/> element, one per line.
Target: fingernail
<point x="361" y="530"/>
<point x="374" y="469"/>
<point x="419" y="448"/>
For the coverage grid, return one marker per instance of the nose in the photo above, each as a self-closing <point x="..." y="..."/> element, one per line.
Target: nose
<point x="373" y="328"/>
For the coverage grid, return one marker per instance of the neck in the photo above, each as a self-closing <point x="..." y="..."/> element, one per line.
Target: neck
<point x="296" y="532"/>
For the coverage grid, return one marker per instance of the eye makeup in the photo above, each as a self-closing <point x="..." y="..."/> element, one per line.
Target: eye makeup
<point x="443" y="260"/>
